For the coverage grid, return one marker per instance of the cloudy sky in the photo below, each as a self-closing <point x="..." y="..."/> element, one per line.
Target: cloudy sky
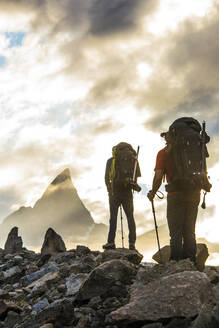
<point x="79" y="76"/>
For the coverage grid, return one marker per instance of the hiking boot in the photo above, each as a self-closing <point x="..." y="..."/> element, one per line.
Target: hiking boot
<point x="132" y="247"/>
<point x="109" y="246"/>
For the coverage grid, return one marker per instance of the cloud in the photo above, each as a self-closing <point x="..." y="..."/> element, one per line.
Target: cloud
<point x="213" y="151"/>
<point x="108" y="17"/>
<point x="84" y="39"/>
<point x="103" y="17"/>
<point x="184" y="82"/>
<point x="106" y="127"/>
<point x="208" y="212"/>
<point x="9" y="196"/>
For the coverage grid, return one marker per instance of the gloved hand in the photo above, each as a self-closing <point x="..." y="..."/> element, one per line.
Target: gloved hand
<point x="135" y="186"/>
<point x="151" y="195"/>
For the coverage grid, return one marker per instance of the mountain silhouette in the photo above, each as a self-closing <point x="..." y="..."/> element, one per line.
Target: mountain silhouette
<point x="59" y="207"/>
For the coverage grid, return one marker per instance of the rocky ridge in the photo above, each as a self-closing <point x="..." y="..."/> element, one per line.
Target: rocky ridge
<point x="81" y="288"/>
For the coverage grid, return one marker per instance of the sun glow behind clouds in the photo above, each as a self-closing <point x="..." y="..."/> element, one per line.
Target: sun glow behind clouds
<point x="172" y="12"/>
<point x="144" y="70"/>
<point x="132" y="132"/>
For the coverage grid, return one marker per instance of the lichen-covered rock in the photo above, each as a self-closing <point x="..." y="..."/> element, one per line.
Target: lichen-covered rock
<point x="74" y="282"/>
<point x="105" y="276"/>
<point x="150" y="273"/>
<point x="178" y="295"/>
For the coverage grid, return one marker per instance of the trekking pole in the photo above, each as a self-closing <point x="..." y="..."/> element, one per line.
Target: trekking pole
<point x="203" y="162"/>
<point x="156" y="227"/>
<point x="136" y="163"/>
<point x="121" y="225"/>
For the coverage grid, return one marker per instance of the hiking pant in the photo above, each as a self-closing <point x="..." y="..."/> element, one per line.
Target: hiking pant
<point x="126" y="200"/>
<point x="182" y="210"/>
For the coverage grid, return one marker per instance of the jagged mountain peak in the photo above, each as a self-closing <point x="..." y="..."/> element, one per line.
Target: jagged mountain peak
<point x="63" y="176"/>
<point x="61" y="182"/>
<point x="60" y="207"/>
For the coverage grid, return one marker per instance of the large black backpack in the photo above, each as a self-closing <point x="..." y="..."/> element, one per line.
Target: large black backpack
<point x="124" y="158"/>
<point x="189" y="152"/>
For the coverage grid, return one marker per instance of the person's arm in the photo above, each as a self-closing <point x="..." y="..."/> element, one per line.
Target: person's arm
<point x="107" y="180"/>
<point x="157" y="181"/>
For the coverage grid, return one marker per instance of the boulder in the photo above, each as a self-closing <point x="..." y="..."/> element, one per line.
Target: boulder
<point x="28" y="279"/>
<point x="162" y="256"/>
<point x="105" y="276"/>
<point x="11" y="319"/>
<point x="82" y="250"/>
<point x="208" y="317"/>
<point x="59" y="313"/>
<point x="178" y="295"/>
<point x="44" y="282"/>
<point x="213" y="274"/>
<point x="52" y="244"/>
<point x="147" y="274"/>
<point x="132" y="256"/>
<point x="40" y="305"/>
<point x="201" y="255"/>
<point x="63" y="257"/>
<point x="15" y="271"/>
<point x="13" y="243"/>
<point x="74" y="282"/>
<point x="5" y="307"/>
<point x="83" y="265"/>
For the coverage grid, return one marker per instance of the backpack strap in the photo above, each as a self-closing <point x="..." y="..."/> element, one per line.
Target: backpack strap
<point x="112" y="170"/>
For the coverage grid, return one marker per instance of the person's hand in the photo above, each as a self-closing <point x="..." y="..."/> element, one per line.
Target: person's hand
<point x="151" y="195"/>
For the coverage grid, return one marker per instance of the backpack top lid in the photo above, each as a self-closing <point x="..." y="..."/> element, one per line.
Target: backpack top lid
<point x="181" y="126"/>
<point x="185" y="123"/>
<point x="122" y="146"/>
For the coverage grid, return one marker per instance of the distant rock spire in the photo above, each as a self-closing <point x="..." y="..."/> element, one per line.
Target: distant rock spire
<point x="61" y="182"/>
<point x="13" y="243"/>
<point x="53" y="243"/>
<point x="63" y="176"/>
